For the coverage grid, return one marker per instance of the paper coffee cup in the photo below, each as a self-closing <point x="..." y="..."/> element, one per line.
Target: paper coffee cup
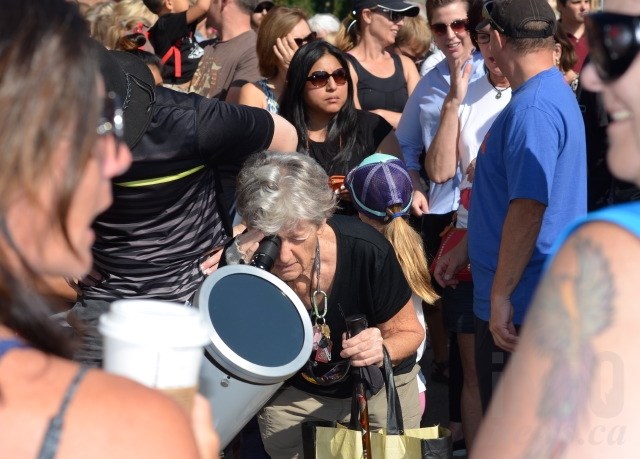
<point x="157" y="343"/>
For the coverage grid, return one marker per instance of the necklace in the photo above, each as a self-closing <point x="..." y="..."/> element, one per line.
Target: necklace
<point x="322" y="344"/>
<point x="318" y="292"/>
<point x="498" y="91"/>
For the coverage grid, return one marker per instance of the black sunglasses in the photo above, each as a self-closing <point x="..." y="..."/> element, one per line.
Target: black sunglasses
<point x="308" y="39"/>
<point x="264" y="6"/>
<point x="458" y="26"/>
<point x="614" y="40"/>
<point x="320" y="78"/>
<point x="112" y="119"/>
<point x="393" y="16"/>
<point x="486" y="14"/>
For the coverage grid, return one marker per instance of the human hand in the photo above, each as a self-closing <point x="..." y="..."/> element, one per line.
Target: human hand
<point x="419" y="204"/>
<point x="363" y="349"/>
<point x="460" y="70"/>
<point x="450" y="263"/>
<point x="284" y="50"/>
<point x="203" y="430"/>
<point x="501" y="324"/>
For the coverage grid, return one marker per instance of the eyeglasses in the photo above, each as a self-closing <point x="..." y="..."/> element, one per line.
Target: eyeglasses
<point x="393" y="16"/>
<point x="320" y="78"/>
<point x="308" y="39"/>
<point x="483" y="38"/>
<point x="486" y="14"/>
<point x="262" y="7"/>
<point x="614" y="40"/>
<point x="458" y="26"/>
<point x="112" y="119"/>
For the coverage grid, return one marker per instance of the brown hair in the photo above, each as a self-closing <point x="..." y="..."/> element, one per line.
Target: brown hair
<point x="48" y="100"/>
<point x="278" y="22"/>
<point x="432" y="5"/>
<point x="415" y="31"/>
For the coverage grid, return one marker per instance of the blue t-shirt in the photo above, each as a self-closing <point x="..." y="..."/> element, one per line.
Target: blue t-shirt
<point x="536" y="150"/>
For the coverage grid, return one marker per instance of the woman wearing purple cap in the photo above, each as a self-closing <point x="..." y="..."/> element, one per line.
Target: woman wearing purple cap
<point x="381" y="192"/>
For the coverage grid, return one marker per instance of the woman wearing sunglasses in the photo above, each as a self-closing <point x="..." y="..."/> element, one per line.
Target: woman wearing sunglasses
<point x="382" y="80"/>
<point x="339" y="267"/>
<point x="281" y="33"/>
<point x="570" y="385"/>
<point x="318" y="101"/>
<point x="60" y="137"/>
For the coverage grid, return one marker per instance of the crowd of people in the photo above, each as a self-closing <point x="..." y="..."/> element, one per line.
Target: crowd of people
<point x="192" y="129"/>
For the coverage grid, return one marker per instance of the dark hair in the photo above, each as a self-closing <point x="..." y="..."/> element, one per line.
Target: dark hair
<point x="568" y="57"/>
<point x="475" y="17"/>
<point x="148" y="58"/>
<point x="154" y="5"/>
<point x="432" y="5"/>
<point x="342" y="128"/>
<point x="37" y="35"/>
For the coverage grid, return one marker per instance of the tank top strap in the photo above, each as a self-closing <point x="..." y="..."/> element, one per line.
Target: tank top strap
<point x="52" y="437"/>
<point x="7" y="345"/>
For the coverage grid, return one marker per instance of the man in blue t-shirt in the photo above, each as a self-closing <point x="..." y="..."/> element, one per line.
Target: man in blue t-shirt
<point x="530" y="181"/>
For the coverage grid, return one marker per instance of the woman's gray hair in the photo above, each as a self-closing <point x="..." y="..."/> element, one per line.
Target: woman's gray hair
<point x="276" y="191"/>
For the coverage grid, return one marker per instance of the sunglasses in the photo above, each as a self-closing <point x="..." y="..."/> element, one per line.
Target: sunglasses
<point x="308" y="39"/>
<point x="614" y="40"/>
<point x="487" y="8"/>
<point x="262" y="7"/>
<point x="320" y="78"/>
<point x="393" y="16"/>
<point x="458" y="26"/>
<point x="112" y="119"/>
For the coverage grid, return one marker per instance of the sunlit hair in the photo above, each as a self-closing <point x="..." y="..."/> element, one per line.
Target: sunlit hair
<point x="342" y="129"/>
<point x="277" y="23"/>
<point x="100" y="17"/>
<point x="407" y="244"/>
<point x="48" y="104"/>
<point x="348" y="35"/>
<point x="414" y="31"/>
<point x="277" y="191"/>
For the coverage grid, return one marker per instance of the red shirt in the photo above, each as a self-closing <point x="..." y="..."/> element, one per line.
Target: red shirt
<point x="581" y="47"/>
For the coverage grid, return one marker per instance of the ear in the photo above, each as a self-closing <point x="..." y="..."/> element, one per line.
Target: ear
<point x="497" y="39"/>
<point x="366" y="16"/>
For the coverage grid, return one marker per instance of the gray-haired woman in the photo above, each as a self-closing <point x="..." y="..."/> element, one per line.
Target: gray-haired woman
<point x="338" y="266"/>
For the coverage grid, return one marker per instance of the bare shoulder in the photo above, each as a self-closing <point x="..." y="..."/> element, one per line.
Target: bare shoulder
<point x="567" y="388"/>
<point x="130" y="420"/>
<point x="250" y="94"/>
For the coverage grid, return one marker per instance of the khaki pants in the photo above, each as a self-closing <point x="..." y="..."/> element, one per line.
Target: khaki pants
<point x="280" y="420"/>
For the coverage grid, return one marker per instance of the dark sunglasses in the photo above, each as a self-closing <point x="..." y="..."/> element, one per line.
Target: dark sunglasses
<point x="308" y="39"/>
<point x="486" y="14"/>
<point x="614" y="40"/>
<point x="482" y="38"/>
<point x="393" y="16"/>
<point x="320" y="78"/>
<point x="264" y="6"/>
<point x="112" y="119"/>
<point x="458" y="26"/>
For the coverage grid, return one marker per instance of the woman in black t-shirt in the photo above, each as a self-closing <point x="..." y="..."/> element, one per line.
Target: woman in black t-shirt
<point x="338" y="267"/>
<point x="318" y="101"/>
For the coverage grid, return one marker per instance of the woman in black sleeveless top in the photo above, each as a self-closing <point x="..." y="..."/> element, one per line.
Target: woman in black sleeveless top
<point x="383" y="80"/>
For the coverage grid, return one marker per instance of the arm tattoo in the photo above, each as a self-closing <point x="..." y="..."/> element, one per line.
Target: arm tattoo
<point x="571" y="308"/>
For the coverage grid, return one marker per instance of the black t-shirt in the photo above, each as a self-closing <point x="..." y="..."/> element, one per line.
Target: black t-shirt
<point x="371" y="131"/>
<point x="173" y="30"/>
<point x="368" y="280"/>
<point x="166" y="212"/>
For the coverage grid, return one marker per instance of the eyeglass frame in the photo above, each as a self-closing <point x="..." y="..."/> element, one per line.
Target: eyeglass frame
<point x="455" y="28"/>
<point x="313" y="36"/>
<point x="486" y="15"/>
<point x="323" y="76"/>
<point x="609" y="65"/>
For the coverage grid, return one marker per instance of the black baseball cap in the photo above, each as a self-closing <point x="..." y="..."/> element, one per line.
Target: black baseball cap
<point x="511" y="18"/>
<point x="400" y="6"/>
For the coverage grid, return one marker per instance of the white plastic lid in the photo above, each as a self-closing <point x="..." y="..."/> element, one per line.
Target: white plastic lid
<point x="154" y="323"/>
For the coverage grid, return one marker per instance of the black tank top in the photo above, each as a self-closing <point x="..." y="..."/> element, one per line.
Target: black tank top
<point x="385" y="93"/>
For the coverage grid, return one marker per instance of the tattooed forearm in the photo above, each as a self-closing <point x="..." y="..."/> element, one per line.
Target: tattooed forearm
<point x="573" y="305"/>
